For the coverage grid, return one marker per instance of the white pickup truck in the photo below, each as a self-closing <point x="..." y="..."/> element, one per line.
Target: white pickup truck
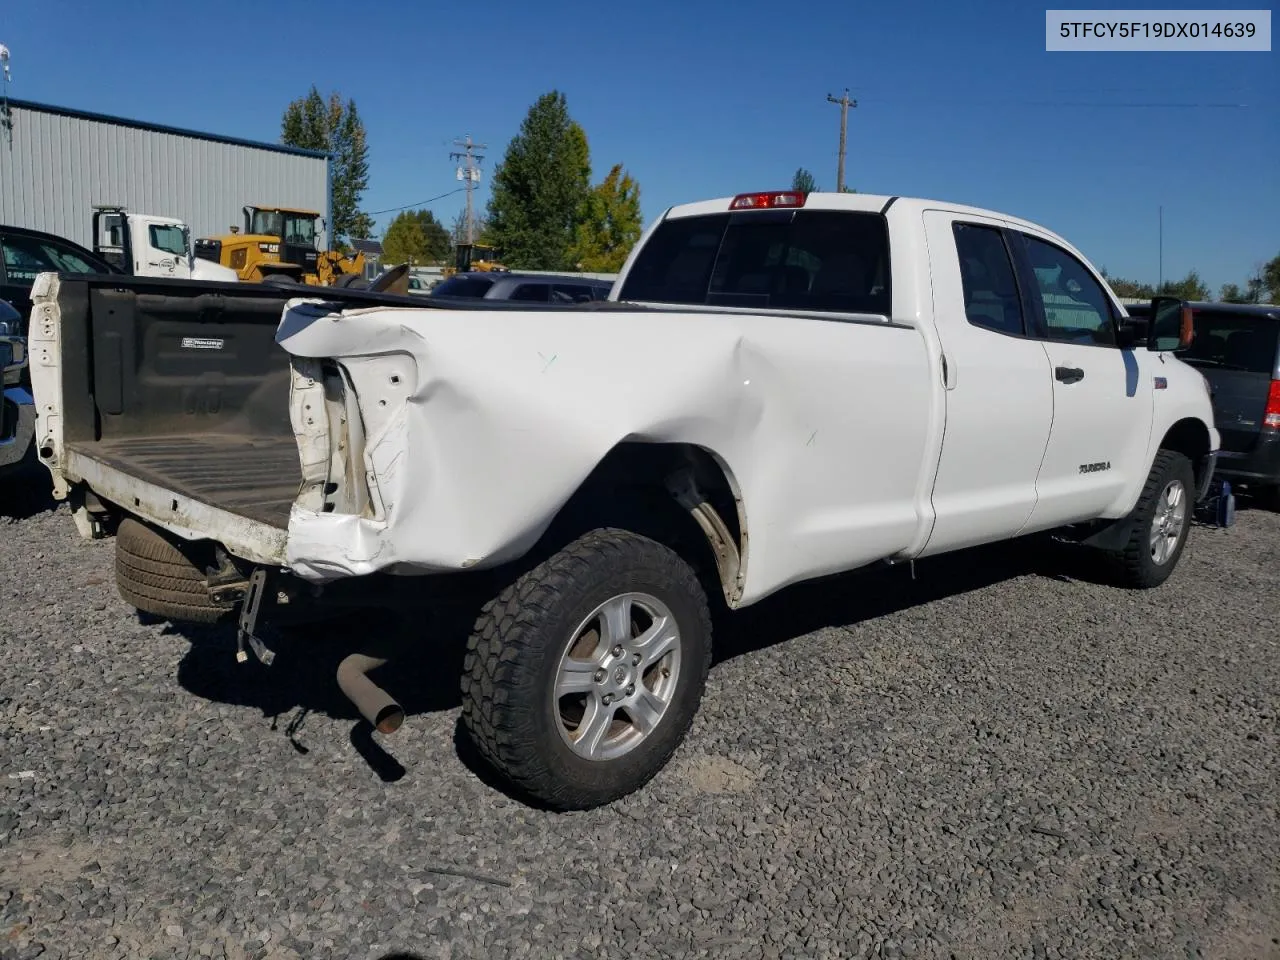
<point x="782" y="386"/>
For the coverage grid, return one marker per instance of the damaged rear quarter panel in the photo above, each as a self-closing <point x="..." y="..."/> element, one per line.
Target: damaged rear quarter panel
<point x="498" y="417"/>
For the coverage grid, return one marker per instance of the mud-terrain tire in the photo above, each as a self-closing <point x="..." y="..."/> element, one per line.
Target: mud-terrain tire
<point x="521" y="643"/>
<point x="1166" y="502"/>
<point x="156" y="577"/>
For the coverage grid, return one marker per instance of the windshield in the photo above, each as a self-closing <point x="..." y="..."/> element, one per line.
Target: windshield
<point x="266" y="223"/>
<point x="299" y="230"/>
<point x="1233" y="341"/>
<point x="169" y="237"/>
<point x="822" y="260"/>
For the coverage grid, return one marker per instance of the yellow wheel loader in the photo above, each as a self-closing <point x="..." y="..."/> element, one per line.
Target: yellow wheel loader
<point x="279" y="244"/>
<point x="479" y="257"/>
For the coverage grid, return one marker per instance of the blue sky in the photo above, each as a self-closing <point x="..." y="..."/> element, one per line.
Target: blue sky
<point x="956" y="102"/>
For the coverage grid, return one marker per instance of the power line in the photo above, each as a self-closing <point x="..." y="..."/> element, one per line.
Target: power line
<point x="420" y="203"/>
<point x="1125" y="104"/>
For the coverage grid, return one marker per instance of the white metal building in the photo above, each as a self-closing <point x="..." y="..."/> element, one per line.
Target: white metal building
<point x="56" y="164"/>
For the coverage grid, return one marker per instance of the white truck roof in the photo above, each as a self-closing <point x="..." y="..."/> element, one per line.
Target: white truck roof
<point x="868" y="203"/>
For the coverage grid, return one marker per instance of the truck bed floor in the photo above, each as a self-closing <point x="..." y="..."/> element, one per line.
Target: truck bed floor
<point x="255" y="477"/>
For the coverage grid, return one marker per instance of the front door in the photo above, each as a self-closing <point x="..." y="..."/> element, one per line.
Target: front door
<point x="999" y="398"/>
<point x="161" y="247"/>
<point x="1102" y="406"/>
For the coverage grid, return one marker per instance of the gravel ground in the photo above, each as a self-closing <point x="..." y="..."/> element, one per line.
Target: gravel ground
<point x="997" y="759"/>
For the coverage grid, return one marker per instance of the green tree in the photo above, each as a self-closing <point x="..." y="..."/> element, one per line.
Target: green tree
<point x="803" y="181"/>
<point x="1271" y="278"/>
<point x="1189" y="287"/>
<point x="1129" y="289"/>
<point x="334" y="127"/>
<point x="540" y="189"/>
<point x="610" y="225"/>
<point x="1231" y="293"/>
<point x="415" y="237"/>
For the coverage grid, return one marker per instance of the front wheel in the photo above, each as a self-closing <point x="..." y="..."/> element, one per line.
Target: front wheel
<point x="582" y="678"/>
<point x="1159" y="523"/>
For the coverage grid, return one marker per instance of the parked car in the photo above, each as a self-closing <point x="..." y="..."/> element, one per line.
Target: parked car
<point x="25" y="254"/>
<point x="524" y="287"/>
<point x="1237" y="348"/>
<point x="17" y="409"/>
<point x="782" y="386"/>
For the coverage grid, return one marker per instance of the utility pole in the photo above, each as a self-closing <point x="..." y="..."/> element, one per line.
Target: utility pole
<point x="845" y="103"/>
<point x="470" y="175"/>
<point x="1160" y="269"/>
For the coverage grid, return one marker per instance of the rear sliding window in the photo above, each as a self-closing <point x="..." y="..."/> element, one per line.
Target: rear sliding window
<point x="1233" y="341"/>
<point x="822" y="260"/>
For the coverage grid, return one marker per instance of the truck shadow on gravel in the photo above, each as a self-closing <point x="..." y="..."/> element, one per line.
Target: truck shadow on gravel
<point x="25" y="491"/>
<point x="425" y="676"/>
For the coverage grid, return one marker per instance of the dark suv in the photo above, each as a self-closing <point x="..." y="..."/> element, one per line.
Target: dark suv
<point x="1237" y="348"/>
<point x="528" y="287"/>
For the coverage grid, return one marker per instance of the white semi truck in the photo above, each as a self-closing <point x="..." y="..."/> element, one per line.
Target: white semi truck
<point x="146" y="245"/>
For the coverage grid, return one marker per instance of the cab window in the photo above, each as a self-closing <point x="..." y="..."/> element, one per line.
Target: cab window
<point x="986" y="273"/>
<point x="1075" y="307"/>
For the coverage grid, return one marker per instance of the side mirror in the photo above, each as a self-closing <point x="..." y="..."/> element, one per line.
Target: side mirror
<point x="1171" y="327"/>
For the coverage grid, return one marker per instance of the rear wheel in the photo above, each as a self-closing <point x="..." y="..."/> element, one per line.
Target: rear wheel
<point x="1159" y="523"/>
<point x="156" y="577"/>
<point x="582" y="678"/>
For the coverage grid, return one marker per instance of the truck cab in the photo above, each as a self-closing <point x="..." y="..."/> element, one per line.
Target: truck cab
<point x="145" y="245"/>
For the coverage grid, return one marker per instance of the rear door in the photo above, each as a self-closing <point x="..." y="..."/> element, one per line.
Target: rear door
<point x="999" y="398"/>
<point x="1102" y="400"/>
<point x="1236" y="351"/>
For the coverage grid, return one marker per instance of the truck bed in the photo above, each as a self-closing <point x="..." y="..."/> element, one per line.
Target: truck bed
<point x="254" y="477"/>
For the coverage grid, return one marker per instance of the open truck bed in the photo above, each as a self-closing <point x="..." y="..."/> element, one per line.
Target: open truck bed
<point x="255" y="477"/>
<point x="173" y="400"/>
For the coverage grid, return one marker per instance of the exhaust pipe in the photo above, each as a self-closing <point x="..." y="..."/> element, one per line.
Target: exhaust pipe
<point x="374" y="703"/>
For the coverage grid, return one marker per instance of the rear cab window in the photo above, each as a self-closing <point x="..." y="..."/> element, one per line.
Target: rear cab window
<point x="829" y="261"/>
<point x="1228" y="340"/>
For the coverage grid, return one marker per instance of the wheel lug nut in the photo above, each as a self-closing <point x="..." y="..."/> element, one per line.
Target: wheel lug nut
<point x="635" y="661"/>
<point x="607" y="698"/>
<point x="631" y="688"/>
<point x="617" y="651"/>
<point x="599" y="676"/>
